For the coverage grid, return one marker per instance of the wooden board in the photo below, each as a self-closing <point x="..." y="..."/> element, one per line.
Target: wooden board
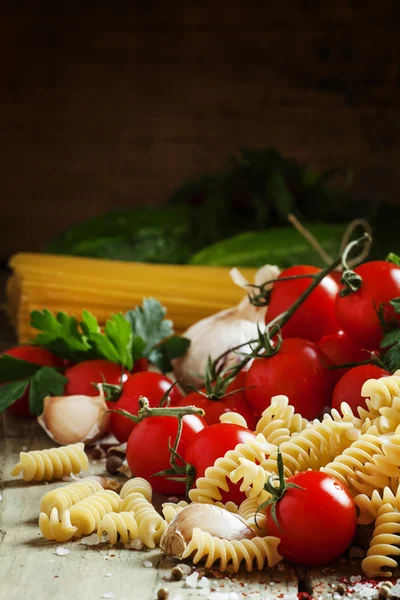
<point x="117" y="106"/>
<point x="30" y="568"/>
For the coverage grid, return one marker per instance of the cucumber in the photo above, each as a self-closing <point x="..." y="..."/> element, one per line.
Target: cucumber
<point x="282" y="246"/>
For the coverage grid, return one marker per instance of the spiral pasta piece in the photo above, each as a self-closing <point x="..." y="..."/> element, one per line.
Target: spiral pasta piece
<point x="54" y="529"/>
<point x="254" y="552"/>
<point x="363" y="466"/>
<point x="53" y="463"/>
<point x="368" y="508"/>
<point x="279" y="421"/>
<point x="119" y="525"/>
<point x="137" y="485"/>
<point x="380" y="394"/>
<point x="256" y="519"/>
<point x="312" y="448"/>
<point x="64" y="497"/>
<point x="385" y="544"/>
<point x="216" y="478"/>
<point x="171" y="509"/>
<point x="151" y="525"/>
<point x="86" y="515"/>
<point x="233" y="417"/>
<point x="251" y="475"/>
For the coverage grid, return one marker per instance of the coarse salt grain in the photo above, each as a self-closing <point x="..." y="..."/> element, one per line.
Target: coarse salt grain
<point x="135" y="544"/>
<point x="148" y="564"/>
<point x="60" y="551"/>
<point x="108" y="574"/>
<point x="108" y="595"/>
<point x="204" y="582"/>
<point x="355" y="578"/>
<point x="90" y="540"/>
<point x="185" y="568"/>
<point x="1" y="497"/>
<point x="24" y="448"/>
<point x="173" y="499"/>
<point x="191" y="580"/>
<point x="51" y="561"/>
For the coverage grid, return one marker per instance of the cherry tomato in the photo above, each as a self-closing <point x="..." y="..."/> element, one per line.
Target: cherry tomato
<point x="38" y="356"/>
<point x="316" y="316"/>
<point x="147" y="450"/>
<point x="317" y="523"/>
<point x="82" y="375"/>
<point x="215" y="408"/>
<point x="357" y="312"/>
<point x="348" y="388"/>
<point x="141" y="364"/>
<point x="147" y="383"/>
<point x="298" y="370"/>
<point x="341" y="349"/>
<point x="212" y="443"/>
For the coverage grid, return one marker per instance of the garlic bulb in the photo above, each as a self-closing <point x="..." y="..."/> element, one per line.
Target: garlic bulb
<point x="209" y="518"/>
<point x="226" y="329"/>
<point x="71" y="419"/>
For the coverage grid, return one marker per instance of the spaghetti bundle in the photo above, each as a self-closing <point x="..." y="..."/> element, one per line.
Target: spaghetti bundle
<point x="104" y="287"/>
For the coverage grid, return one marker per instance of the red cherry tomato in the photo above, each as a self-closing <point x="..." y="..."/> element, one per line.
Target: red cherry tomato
<point x="215" y="408"/>
<point x="316" y="316"/>
<point x="212" y="443"/>
<point x="38" y="356"/>
<point x="348" y="388"/>
<point x="298" y="371"/>
<point x="357" y="312"/>
<point x="317" y="523"/>
<point x="82" y="375"/>
<point x="341" y="349"/>
<point x="141" y="364"/>
<point x="147" y="450"/>
<point x="149" y="384"/>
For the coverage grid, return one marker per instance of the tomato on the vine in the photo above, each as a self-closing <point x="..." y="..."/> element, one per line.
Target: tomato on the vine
<point x="83" y="375"/>
<point x="316" y="316"/>
<point x="234" y="402"/>
<point x="148" y="452"/>
<point x="357" y="313"/>
<point x="212" y="443"/>
<point x="348" y="388"/>
<point x="342" y="349"/>
<point x="147" y="383"/>
<point x="38" y="356"/>
<point x="298" y="370"/>
<point x="317" y="522"/>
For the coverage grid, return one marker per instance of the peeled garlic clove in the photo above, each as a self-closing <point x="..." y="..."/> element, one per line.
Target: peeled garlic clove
<point x="210" y="519"/>
<point x="72" y="419"/>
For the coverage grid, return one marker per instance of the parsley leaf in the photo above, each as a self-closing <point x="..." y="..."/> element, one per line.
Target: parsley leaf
<point x="148" y="322"/>
<point x="171" y="348"/>
<point x="116" y="342"/>
<point x="391" y="339"/>
<point x="60" y="334"/>
<point x="12" y="369"/>
<point x="46" y="382"/>
<point x="11" y="392"/>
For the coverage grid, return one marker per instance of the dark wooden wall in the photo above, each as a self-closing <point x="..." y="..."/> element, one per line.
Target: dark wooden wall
<point x="107" y="104"/>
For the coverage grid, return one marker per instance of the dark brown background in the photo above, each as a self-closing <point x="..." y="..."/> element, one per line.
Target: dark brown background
<point x="108" y="104"/>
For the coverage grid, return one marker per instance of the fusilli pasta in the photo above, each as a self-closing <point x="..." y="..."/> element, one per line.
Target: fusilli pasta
<point x="233" y="417"/>
<point x="119" y="525"/>
<point x="53" y="463"/>
<point x="151" y="525"/>
<point x="138" y="485"/>
<point x="279" y="421"/>
<point x="216" y="478"/>
<point x="64" y="497"/>
<point x="54" y="529"/>
<point x="385" y="544"/>
<point x="368" y="508"/>
<point x="253" y="552"/>
<point x="248" y="510"/>
<point x="86" y="515"/>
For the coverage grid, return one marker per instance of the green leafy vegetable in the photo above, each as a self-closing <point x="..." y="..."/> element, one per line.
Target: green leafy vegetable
<point x="60" y="334"/>
<point x="391" y="339"/>
<point x="12" y="368"/>
<point x="149" y="323"/>
<point x="164" y="353"/>
<point x="46" y="382"/>
<point x="11" y="392"/>
<point x="393" y="258"/>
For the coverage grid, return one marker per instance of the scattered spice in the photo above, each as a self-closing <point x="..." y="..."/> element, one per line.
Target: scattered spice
<point x="162" y="594"/>
<point x="97" y="453"/>
<point x="177" y="573"/>
<point x="113" y="463"/>
<point x="340" y="589"/>
<point x="119" y="451"/>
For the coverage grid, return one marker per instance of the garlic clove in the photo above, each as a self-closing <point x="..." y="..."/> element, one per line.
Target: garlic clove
<point x="72" y="419"/>
<point x="210" y="519"/>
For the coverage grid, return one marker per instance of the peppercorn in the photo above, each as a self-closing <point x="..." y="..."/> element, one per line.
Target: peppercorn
<point x="113" y="463"/>
<point x="162" y="594"/>
<point x="177" y="573"/>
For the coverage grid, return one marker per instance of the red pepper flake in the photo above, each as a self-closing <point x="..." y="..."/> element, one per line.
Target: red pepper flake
<point x="304" y="596"/>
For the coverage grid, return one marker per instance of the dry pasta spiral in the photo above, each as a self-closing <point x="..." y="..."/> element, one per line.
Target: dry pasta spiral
<point x="248" y="510"/>
<point x="279" y="421"/>
<point x="151" y="525"/>
<point x="64" y="497"/>
<point x="233" y="417"/>
<point x="385" y="544"/>
<point x="254" y="552"/>
<point x="53" y="463"/>
<point x="368" y="464"/>
<point x="216" y="478"/>
<point x="312" y="448"/>
<point x="119" y="525"/>
<point x="368" y="508"/>
<point x="251" y="475"/>
<point x="379" y="394"/>
<point x="87" y="514"/>
<point x="138" y="485"/>
<point x="171" y="509"/>
<point x="54" y="529"/>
